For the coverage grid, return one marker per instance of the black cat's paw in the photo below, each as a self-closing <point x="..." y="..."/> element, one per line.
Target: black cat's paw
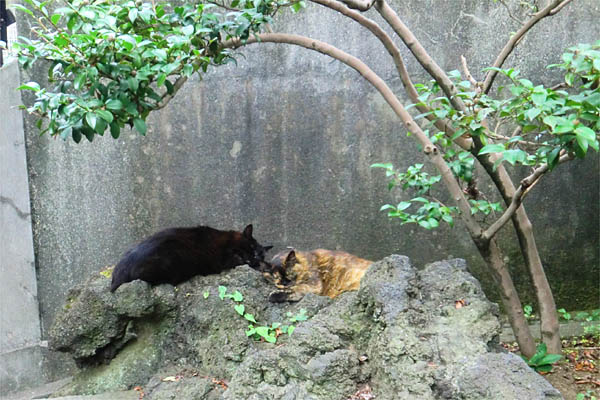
<point x="281" y="296"/>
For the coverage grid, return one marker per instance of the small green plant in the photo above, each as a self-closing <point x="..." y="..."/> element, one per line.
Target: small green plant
<point x="528" y="311"/>
<point x="593" y="315"/>
<point x="266" y="332"/>
<point x="541" y="361"/>
<point x="589" y="395"/>
<point x="564" y="314"/>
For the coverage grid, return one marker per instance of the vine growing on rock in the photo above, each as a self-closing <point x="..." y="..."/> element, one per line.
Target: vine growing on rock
<point x="112" y="62"/>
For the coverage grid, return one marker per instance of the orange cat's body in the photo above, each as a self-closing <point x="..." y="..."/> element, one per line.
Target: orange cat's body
<point x="323" y="272"/>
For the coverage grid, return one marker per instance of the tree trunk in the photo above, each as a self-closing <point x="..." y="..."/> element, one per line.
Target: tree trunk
<point x="523" y="227"/>
<point x="508" y="294"/>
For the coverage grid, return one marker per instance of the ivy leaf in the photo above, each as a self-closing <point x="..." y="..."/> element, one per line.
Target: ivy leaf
<point x="239" y="308"/>
<point x="237" y="296"/>
<point x="222" y="291"/>
<point x="250" y="318"/>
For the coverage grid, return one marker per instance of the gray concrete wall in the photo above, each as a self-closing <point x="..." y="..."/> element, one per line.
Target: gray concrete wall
<point x="20" y="333"/>
<point x="285" y="139"/>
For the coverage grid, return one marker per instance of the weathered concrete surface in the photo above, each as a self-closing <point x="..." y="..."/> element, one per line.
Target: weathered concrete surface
<point x="19" y="315"/>
<point x="285" y="141"/>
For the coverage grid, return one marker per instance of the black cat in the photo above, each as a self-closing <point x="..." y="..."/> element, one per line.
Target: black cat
<point x="177" y="254"/>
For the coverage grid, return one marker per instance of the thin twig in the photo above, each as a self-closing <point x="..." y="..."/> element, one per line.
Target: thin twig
<point x="522" y="191"/>
<point x="360" y="5"/>
<point x="559" y="7"/>
<point x="442" y="124"/>
<point x="510" y="14"/>
<point x="511" y="44"/>
<point x="476" y="85"/>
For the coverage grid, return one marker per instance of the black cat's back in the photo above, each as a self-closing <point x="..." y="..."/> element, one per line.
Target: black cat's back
<point x="175" y="255"/>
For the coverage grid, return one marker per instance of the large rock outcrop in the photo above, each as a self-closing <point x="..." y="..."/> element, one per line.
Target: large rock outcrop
<point x="406" y="334"/>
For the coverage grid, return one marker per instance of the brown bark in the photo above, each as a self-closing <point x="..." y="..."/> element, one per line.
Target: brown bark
<point x="522" y="224"/>
<point x="508" y="294"/>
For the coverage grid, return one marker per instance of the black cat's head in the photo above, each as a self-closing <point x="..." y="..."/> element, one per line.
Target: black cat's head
<point x="253" y="253"/>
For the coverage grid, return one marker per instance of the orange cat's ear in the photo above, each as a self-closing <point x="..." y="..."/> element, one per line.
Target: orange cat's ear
<point x="290" y="260"/>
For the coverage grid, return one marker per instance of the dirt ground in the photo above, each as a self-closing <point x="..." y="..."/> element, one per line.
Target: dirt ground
<point x="578" y="373"/>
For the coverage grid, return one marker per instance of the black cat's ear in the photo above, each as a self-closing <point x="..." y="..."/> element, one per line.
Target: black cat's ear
<point x="267" y="248"/>
<point x="248" y="232"/>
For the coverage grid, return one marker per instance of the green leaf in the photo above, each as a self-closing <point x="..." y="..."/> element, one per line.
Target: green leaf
<point x="262" y="331"/>
<point x="140" y="126"/>
<point x="100" y="126"/>
<point x="77" y="135"/>
<point x="21" y="8"/>
<point x="55" y="18"/>
<point x="114" y="104"/>
<point x="222" y="291"/>
<point x="30" y="86"/>
<point x="532" y="113"/>
<point x="544" y="368"/>
<point x="291" y="329"/>
<point x="585" y="133"/>
<point x="539" y="98"/>
<point x="514" y="156"/>
<point x="381" y="165"/>
<point x="105" y="115"/>
<point x="425" y="224"/>
<point x="206" y="294"/>
<point x="90" y="118"/>
<point x="80" y="80"/>
<point x="250" y="318"/>
<point x="115" y="129"/>
<point x="271" y="338"/>
<point x="133" y="84"/>
<point x="237" y="296"/>
<point x="239" y="308"/>
<point x="403" y="205"/>
<point x="550" y="359"/>
<point x="492" y="148"/>
<point x="161" y="79"/>
<point x="133" y="13"/>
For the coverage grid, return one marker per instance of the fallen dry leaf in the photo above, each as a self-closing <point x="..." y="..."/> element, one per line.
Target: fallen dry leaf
<point x="220" y="382"/>
<point x="141" y="392"/>
<point x="363" y="393"/>
<point x="459" y="304"/>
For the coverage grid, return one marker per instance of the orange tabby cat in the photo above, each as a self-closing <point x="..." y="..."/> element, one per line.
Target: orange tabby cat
<point x="323" y="272"/>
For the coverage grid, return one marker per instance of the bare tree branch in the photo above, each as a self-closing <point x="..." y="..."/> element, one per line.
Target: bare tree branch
<point x="420" y="54"/>
<point x="393" y="50"/>
<point x="519" y="195"/>
<point x="476" y="85"/>
<point x="360" y="5"/>
<point x="549" y="10"/>
<point x="560" y="6"/>
<point x="510" y="14"/>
